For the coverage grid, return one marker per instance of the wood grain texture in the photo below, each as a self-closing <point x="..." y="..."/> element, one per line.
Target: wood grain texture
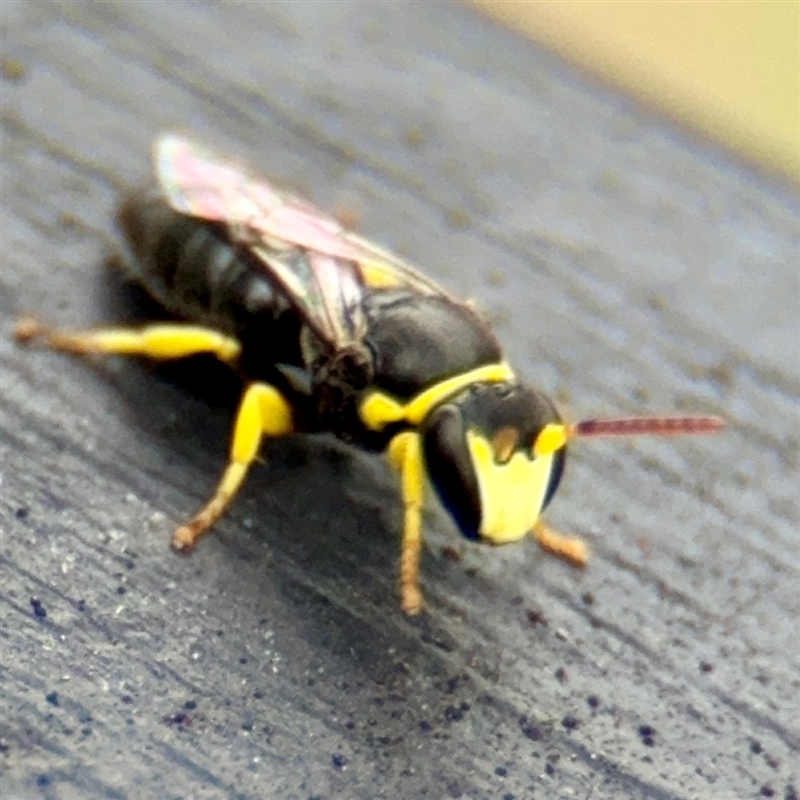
<point x="629" y="271"/>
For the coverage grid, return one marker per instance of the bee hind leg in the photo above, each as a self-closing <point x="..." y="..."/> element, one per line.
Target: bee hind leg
<point x="160" y="341"/>
<point x="573" y="550"/>
<point x="263" y="412"/>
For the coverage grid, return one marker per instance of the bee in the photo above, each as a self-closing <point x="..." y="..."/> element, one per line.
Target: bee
<point x="335" y="334"/>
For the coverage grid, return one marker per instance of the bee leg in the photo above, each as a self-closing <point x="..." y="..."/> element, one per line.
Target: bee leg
<point x="573" y="550"/>
<point x="161" y="341"/>
<point x="405" y="455"/>
<point x="263" y="412"/>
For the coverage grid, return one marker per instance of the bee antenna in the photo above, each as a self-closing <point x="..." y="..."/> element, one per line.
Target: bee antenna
<point x="646" y="426"/>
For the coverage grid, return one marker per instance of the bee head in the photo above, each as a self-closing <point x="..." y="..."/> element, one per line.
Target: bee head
<point x="496" y="451"/>
<point x="495" y="457"/>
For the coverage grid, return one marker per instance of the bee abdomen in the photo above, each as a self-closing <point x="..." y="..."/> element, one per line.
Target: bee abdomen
<point x="191" y="267"/>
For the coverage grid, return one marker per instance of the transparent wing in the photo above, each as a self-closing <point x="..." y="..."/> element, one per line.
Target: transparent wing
<point x="323" y="268"/>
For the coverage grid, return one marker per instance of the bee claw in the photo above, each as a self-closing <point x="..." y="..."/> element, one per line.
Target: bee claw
<point x="28" y="328"/>
<point x="183" y="540"/>
<point x="573" y="550"/>
<point x="412" y="602"/>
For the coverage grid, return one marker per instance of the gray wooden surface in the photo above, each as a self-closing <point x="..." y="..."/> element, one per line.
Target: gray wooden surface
<point x="629" y="269"/>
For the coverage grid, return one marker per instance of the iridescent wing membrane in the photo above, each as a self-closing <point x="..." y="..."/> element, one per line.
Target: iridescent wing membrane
<point x="322" y="268"/>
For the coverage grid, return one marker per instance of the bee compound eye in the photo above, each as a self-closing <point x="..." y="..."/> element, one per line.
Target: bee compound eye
<point x="450" y="468"/>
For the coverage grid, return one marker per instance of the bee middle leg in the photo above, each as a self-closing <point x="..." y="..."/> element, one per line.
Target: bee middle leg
<point x="263" y="412"/>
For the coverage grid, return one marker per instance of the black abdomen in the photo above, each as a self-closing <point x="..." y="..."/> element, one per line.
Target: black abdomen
<point x="192" y="268"/>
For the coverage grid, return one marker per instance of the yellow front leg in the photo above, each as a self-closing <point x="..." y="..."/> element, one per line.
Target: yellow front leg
<point x="161" y="341"/>
<point x="405" y="455"/>
<point x="263" y="412"/>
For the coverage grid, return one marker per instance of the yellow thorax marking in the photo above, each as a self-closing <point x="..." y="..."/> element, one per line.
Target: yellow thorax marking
<point x="512" y="494"/>
<point x="378" y="409"/>
<point x="377" y="275"/>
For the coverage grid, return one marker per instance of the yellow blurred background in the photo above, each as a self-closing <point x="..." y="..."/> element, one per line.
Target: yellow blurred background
<point x="728" y="69"/>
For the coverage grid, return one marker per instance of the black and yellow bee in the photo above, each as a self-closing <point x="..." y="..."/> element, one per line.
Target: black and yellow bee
<point x="337" y="335"/>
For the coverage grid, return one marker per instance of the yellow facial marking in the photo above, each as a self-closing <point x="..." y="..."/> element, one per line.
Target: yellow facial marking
<point x="512" y="494"/>
<point x="378" y="409"/>
<point x="551" y="438"/>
